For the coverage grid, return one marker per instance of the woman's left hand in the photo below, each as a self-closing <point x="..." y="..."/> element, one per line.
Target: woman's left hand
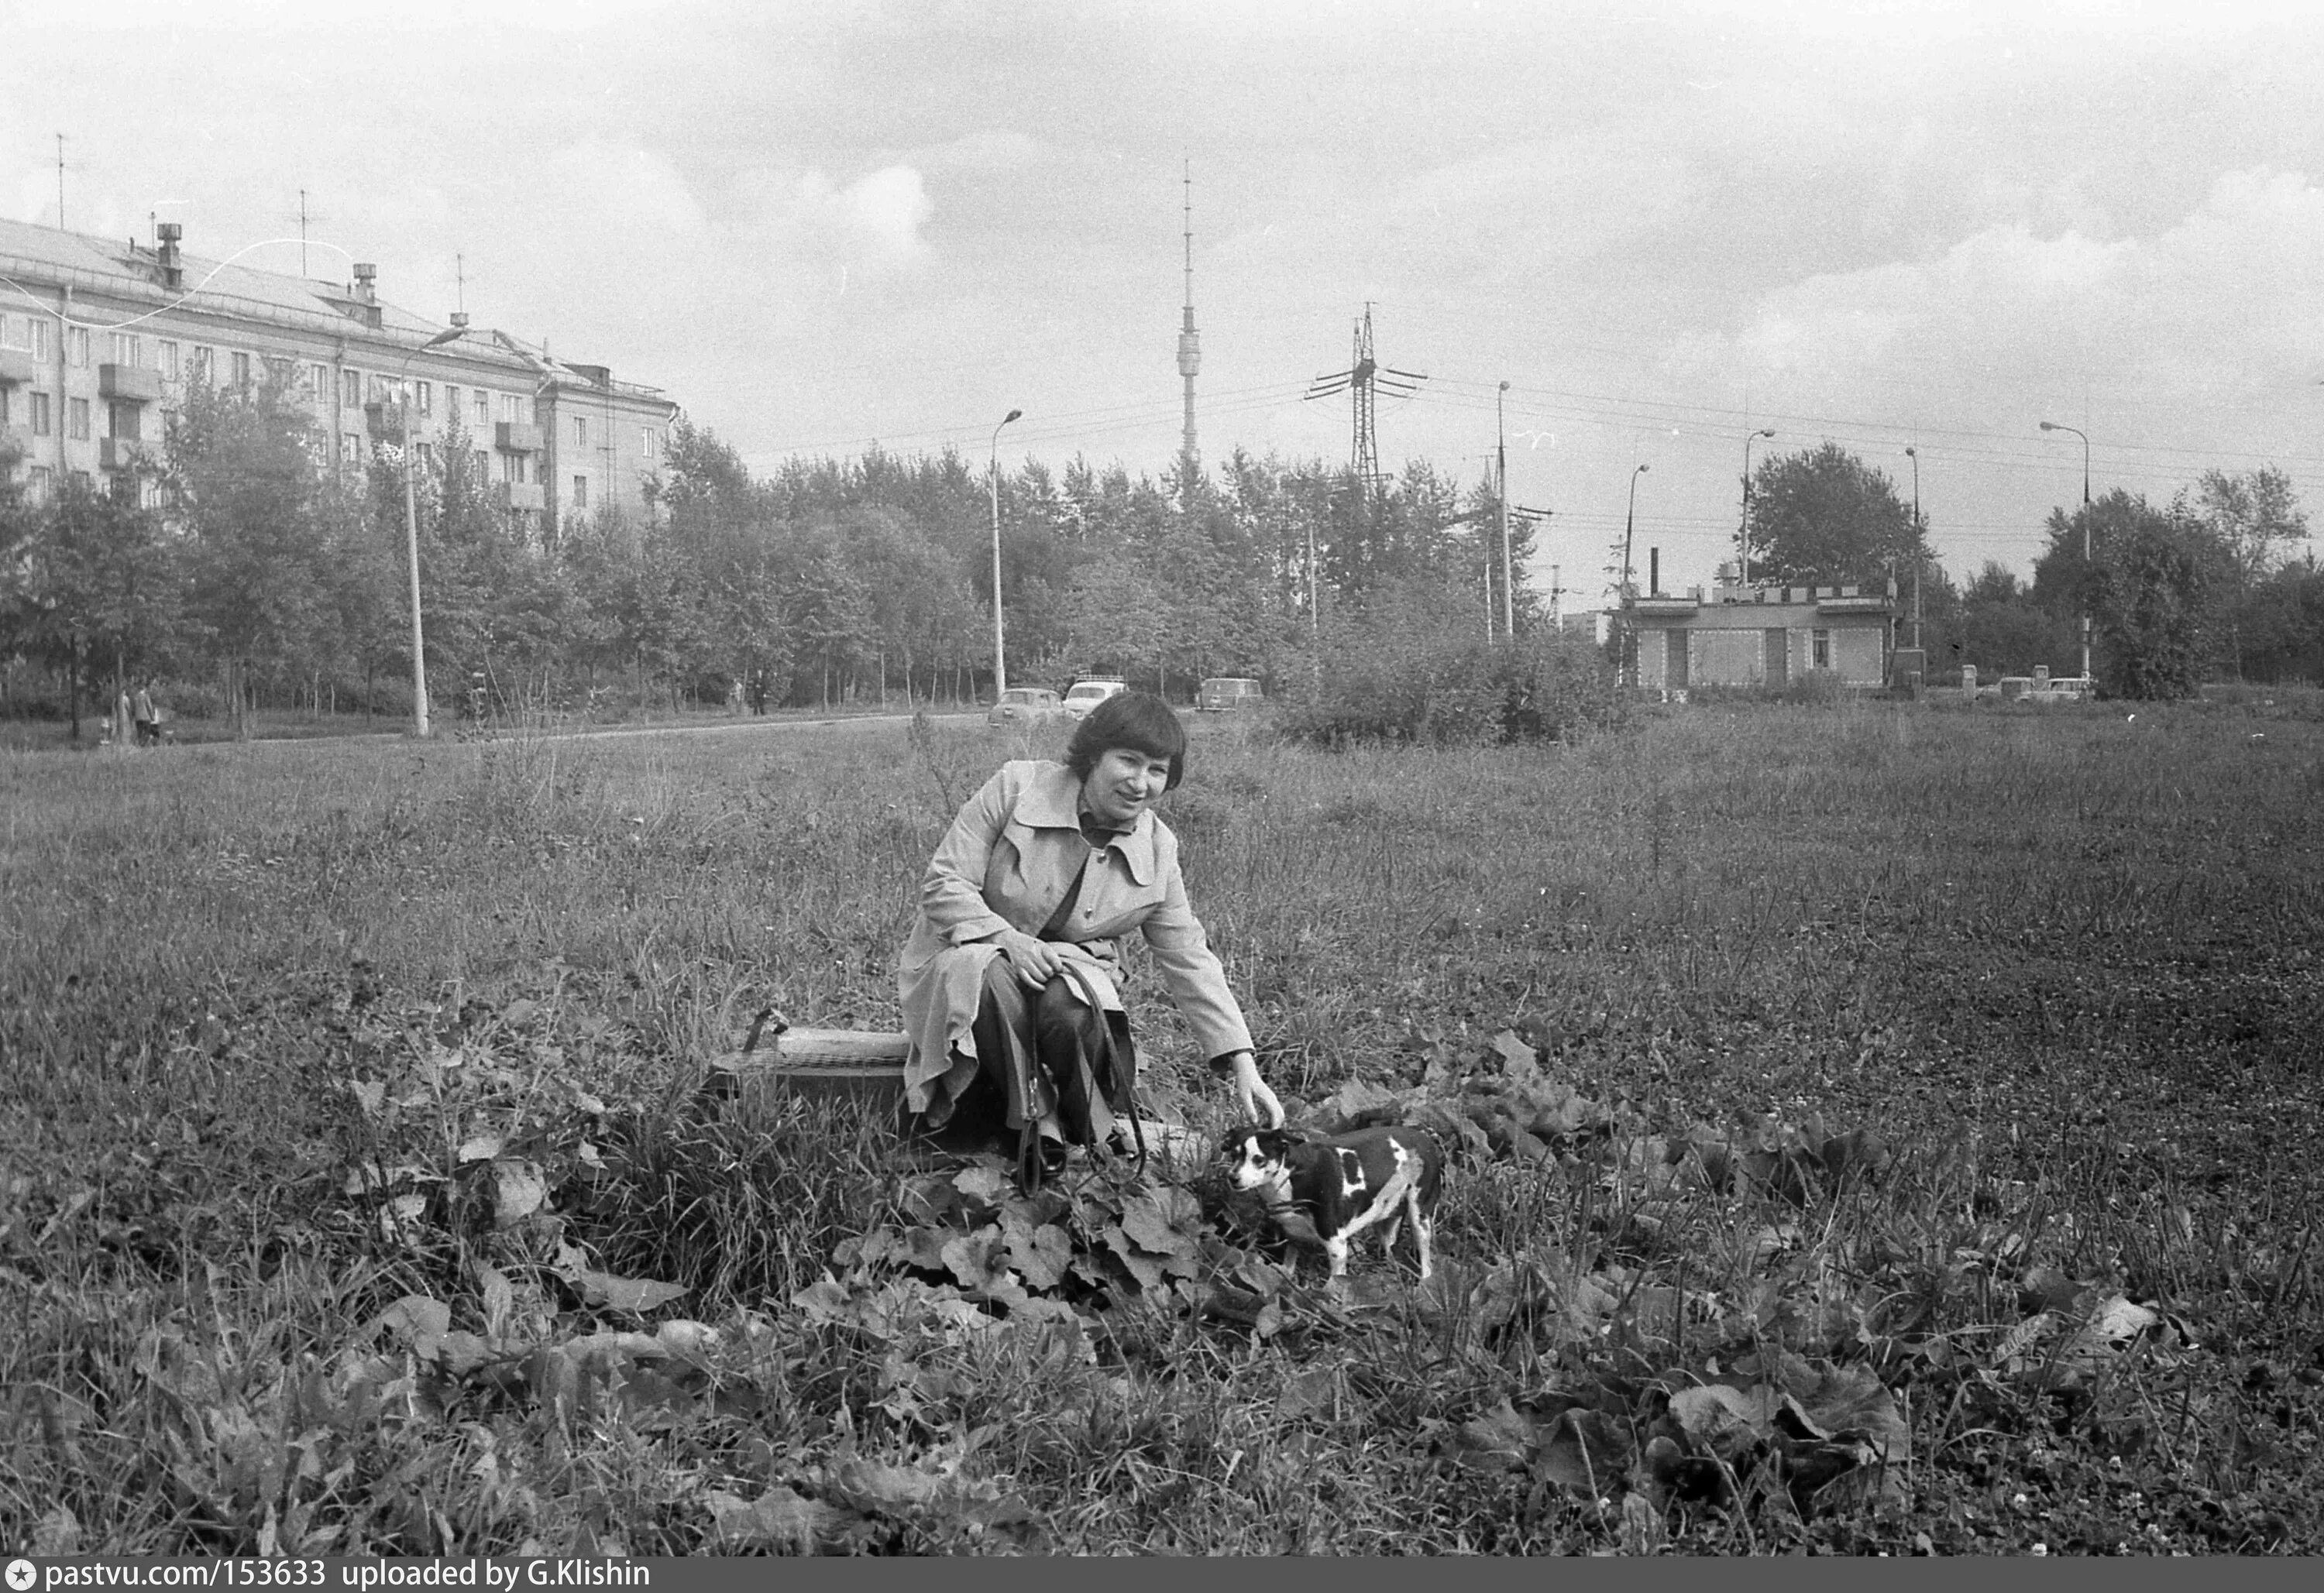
<point x="1251" y="1091"/>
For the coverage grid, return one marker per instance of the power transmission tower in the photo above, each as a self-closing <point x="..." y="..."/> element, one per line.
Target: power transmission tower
<point x="1364" y="377"/>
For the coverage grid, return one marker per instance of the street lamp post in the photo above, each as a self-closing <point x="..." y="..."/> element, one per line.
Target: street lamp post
<point x="1914" y="455"/>
<point x="999" y="656"/>
<point x="1501" y="491"/>
<point x="459" y="328"/>
<point x="2053" y="425"/>
<point x="1745" y="538"/>
<point x="1629" y="523"/>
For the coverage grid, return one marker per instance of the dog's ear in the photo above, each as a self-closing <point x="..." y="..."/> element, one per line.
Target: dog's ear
<point x="1274" y="1143"/>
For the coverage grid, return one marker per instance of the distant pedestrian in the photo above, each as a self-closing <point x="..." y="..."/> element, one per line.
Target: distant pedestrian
<point x="120" y="725"/>
<point x="734" y="698"/>
<point x="759" y="692"/>
<point x="149" y="733"/>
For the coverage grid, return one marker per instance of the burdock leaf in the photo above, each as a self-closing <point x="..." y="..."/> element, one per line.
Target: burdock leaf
<point x="1501" y="1439"/>
<point x="520" y="1189"/>
<point x="415" y="1318"/>
<point x="875" y="1485"/>
<point x="1714" y="1412"/>
<point x="1163" y="1220"/>
<point x="626" y="1294"/>
<point x="780" y="1519"/>
<point x="1040" y="1254"/>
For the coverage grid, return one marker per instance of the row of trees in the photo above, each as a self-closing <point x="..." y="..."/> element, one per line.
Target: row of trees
<point x="2212" y="584"/>
<point x="245" y="560"/>
<point x="242" y="556"/>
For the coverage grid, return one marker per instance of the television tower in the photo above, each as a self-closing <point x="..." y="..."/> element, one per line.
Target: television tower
<point x="1190" y="356"/>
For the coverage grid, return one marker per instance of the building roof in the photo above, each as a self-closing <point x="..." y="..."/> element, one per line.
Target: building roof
<point x="129" y="271"/>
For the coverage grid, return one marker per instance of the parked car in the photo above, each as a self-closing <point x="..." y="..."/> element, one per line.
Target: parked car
<point x="1085" y="695"/>
<point x="1223" y="694"/>
<point x="1024" y="704"/>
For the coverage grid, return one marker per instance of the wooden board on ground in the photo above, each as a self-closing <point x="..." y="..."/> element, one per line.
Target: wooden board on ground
<point x="869" y="1063"/>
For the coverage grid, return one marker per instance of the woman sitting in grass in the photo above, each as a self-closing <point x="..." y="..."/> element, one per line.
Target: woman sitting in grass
<point x="1008" y="981"/>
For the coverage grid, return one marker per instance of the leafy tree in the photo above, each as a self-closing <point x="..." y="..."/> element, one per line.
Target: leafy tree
<point x="242" y="466"/>
<point x="1823" y="517"/>
<point x="2152" y="585"/>
<point x="2254" y="518"/>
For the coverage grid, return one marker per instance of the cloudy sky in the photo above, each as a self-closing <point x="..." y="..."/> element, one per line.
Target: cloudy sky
<point x="1665" y="222"/>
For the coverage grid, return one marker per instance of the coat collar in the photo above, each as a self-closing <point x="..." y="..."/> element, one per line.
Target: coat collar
<point x="1052" y="801"/>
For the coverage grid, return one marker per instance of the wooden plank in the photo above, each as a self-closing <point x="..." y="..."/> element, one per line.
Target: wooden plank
<point x="821" y="1062"/>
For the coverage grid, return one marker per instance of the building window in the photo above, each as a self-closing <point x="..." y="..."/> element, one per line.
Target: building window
<point x="166" y="355"/>
<point x="649" y="445"/>
<point x="580" y="432"/>
<point x="351" y="390"/>
<point x="77" y="420"/>
<point x="451" y="401"/>
<point x="350" y="447"/>
<point x="81" y="479"/>
<point x="580" y="492"/>
<point x="76" y="345"/>
<point x="484" y="462"/>
<point x="169" y="423"/>
<point x="1820" y="645"/>
<point x="426" y="391"/>
<point x="124" y="348"/>
<point x="41" y="422"/>
<point x="484" y="412"/>
<point x="28" y="333"/>
<point x="241" y="369"/>
<point x="42" y="477"/>
<point x="205" y="362"/>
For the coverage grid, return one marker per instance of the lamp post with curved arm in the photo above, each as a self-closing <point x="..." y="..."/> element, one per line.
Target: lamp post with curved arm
<point x="999" y="656"/>
<point x="459" y="328"/>
<point x="2053" y="425"/>
<point x="1629" y="522"/>
<point x="1744" y="538"/>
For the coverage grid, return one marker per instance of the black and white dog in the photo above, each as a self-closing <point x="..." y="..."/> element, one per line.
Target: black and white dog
<point x="1346" y="1184"/>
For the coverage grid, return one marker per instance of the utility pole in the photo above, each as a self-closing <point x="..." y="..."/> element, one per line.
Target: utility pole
<point x="1501" y="514"/>
<point x="1914" y="455"/>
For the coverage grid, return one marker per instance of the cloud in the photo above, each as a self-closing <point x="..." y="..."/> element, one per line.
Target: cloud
<point x="871" y="225"/>
<point x="995" y="149"/>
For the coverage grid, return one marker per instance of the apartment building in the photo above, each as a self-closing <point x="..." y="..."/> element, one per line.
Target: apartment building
<point x="98" y="341"/>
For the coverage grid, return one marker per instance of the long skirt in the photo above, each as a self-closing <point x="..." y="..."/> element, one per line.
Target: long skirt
<point x="1049" y="1064"/>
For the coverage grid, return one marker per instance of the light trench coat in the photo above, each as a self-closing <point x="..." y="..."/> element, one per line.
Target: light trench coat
<point x="1006" y="863"/>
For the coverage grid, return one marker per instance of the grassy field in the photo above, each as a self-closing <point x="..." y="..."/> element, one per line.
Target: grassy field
<point x="1876" y="1129"/>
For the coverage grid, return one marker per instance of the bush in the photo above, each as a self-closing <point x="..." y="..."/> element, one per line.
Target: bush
<point x="1415" y="682"/>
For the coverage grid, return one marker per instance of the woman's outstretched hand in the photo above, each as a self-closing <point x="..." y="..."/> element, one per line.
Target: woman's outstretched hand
<point x="1036" y="960"/>
<point x="1252" y="1093"/>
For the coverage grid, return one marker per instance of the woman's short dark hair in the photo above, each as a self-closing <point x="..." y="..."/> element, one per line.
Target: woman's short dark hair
<point x="1133" y="719"/>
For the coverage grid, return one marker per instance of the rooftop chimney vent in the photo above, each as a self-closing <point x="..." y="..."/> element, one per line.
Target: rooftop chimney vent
<point x="173" y="273"/>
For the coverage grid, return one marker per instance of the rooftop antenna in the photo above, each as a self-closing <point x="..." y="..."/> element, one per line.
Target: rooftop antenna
<point x="1190" y="354"/>
<point x="460" y="285"/>
<point x="60" y="182"/>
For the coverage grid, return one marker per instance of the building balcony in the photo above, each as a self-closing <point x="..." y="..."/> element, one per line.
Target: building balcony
<point x="17" y="367"/>
<point x="121" y="453"/>
<point x="521" y="494"/>
<point x="515" y="437"/>
<point x="384" y="423"/>
<point x="128" y="384"/>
